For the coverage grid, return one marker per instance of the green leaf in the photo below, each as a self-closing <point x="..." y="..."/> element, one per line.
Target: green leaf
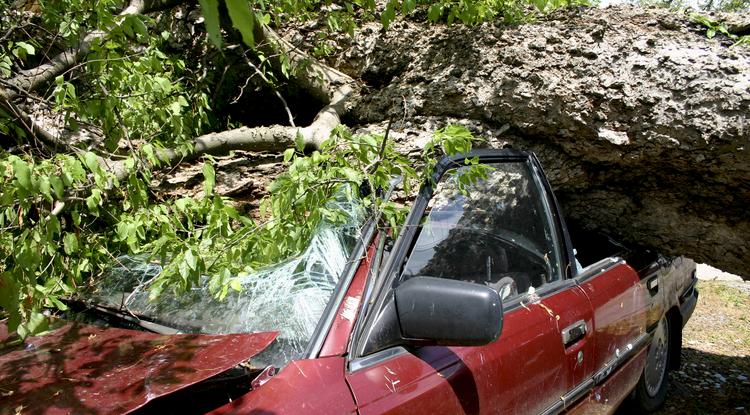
<point x="91" y="161"/>
<point x="408" y="6"/>
<point x="22" y="173"/>
<point x="242" y="19"/>
<point x="191" y="260"/>
<point x="388" y="14"/>
<point x="434" y="12"/>
<point x="9" y="291"/>
<point x="175" y="108"/>
<point x="37" y="323"/>
<point x="299" y="142"/>
<point x="288" y="154"/>
<point x="235" y="284"/>
<point x="209" y="178"/>
<point x="57" y="186"/>
<point x="94" y="200"/>
<point x="23" y="49"/>
<point x="59" y="304"/>
<point x="70" y="243"/>
<point x="210" y="10"/>
<point x="5" y="66"/>
<point x="44" y="187"/>
<point x="163" y="84"/>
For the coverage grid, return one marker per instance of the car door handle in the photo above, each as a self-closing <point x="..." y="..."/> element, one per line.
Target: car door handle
<point x="573" y="333"/>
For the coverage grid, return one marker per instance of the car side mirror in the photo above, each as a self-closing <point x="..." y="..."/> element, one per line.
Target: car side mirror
<point x="448" y="312"/>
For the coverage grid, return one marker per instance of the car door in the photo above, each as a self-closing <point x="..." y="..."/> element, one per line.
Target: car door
<point x="620" y="300"/>
<point x="502" y="230"/>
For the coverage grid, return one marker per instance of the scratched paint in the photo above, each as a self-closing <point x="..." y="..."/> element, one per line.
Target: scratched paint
<point x="350" y="308"/>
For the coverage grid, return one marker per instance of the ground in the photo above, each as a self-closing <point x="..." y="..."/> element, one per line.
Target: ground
<point x="715" y="373"/>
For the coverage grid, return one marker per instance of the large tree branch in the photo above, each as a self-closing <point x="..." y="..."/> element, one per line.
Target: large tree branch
<point x="33" y="78"/>
<point x="21" y="118"/>
<point x="274" y="138"/>
<point x="327" y="84"/>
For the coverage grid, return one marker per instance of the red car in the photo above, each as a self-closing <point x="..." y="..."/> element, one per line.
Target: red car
<point x="485" y="303"/>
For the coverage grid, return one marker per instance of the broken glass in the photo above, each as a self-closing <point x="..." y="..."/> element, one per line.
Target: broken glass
<point x="288" y="297"/>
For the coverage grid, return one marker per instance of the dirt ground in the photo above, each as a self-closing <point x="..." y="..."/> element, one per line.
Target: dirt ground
<point x="715" y="373"/>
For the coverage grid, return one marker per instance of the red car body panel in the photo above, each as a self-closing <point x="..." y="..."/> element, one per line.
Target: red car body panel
<point x="338" y="336"/>
<point x="605" y="398"/>
<point x="314" y="386"/>
<point x="504" y="376"/>
<point x="620" y="303"/>
<point x="81" y="369"/>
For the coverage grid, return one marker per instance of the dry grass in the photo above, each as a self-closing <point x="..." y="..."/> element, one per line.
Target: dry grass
<point x="715" y="373"/>
<point x="721" y="322"/>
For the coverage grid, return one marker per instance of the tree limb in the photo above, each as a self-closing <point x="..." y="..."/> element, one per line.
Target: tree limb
<point x="329" y="85"/>
<point x="33" y="78"/>
<point x="27" y="122"/>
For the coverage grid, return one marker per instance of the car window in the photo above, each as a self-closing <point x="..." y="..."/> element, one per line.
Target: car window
<point x="288" y="297"/>
<point x="497" y="231"/>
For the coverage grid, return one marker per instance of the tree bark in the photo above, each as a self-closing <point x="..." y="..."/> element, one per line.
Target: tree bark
<point x="31" y="79"/>
<point x="321" y="81"/>
<point x="642" y="123"/>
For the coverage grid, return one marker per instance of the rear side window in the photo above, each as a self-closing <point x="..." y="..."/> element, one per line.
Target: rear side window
<point x="498" y="232"/>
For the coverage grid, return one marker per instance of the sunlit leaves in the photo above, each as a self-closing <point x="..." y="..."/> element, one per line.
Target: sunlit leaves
<point x="209" y="178"/>
<point x="210" y="9"/>
<point x="46" y="252"/>
<point x="23" y="49"/>
<point x="714" y="27"/>
<point x="242" y="19"/>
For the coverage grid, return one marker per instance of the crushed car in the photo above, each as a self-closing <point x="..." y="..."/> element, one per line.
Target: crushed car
<point x="485" y="302"/>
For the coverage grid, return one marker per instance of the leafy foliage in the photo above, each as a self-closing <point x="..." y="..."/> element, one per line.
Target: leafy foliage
<point x="245" y="14"/>
<point x="702" y="5"/>
<point x="64" y="217"/>
<point x="49" y="253"/>
<point x="714" y="27"/>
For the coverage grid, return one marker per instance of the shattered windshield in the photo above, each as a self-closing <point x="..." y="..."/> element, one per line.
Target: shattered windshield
<point x="288" y="297"/>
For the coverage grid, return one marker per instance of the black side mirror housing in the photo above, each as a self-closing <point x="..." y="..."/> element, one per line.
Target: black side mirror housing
<point x="437" y="311"/>
<point x="448" y="312"/>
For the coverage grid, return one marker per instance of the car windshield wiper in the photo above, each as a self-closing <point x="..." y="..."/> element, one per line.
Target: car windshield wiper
<point x="121" y="316"/>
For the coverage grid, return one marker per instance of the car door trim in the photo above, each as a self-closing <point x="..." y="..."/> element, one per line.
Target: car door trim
<point x="598" y="267"/>
<point x="375" y="358"/>
<point x="619" y="359"/>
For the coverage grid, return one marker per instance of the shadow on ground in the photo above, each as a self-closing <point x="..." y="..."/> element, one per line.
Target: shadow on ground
<point x="707" y="383"/>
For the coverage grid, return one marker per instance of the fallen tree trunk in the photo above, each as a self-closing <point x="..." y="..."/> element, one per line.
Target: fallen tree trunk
<point x="641" y="121"/>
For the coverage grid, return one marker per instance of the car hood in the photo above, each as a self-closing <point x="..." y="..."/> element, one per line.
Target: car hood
<point x="85" y="369"/>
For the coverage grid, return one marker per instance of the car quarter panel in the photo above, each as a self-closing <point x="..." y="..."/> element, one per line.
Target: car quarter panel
<point x="311" y="386"/>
